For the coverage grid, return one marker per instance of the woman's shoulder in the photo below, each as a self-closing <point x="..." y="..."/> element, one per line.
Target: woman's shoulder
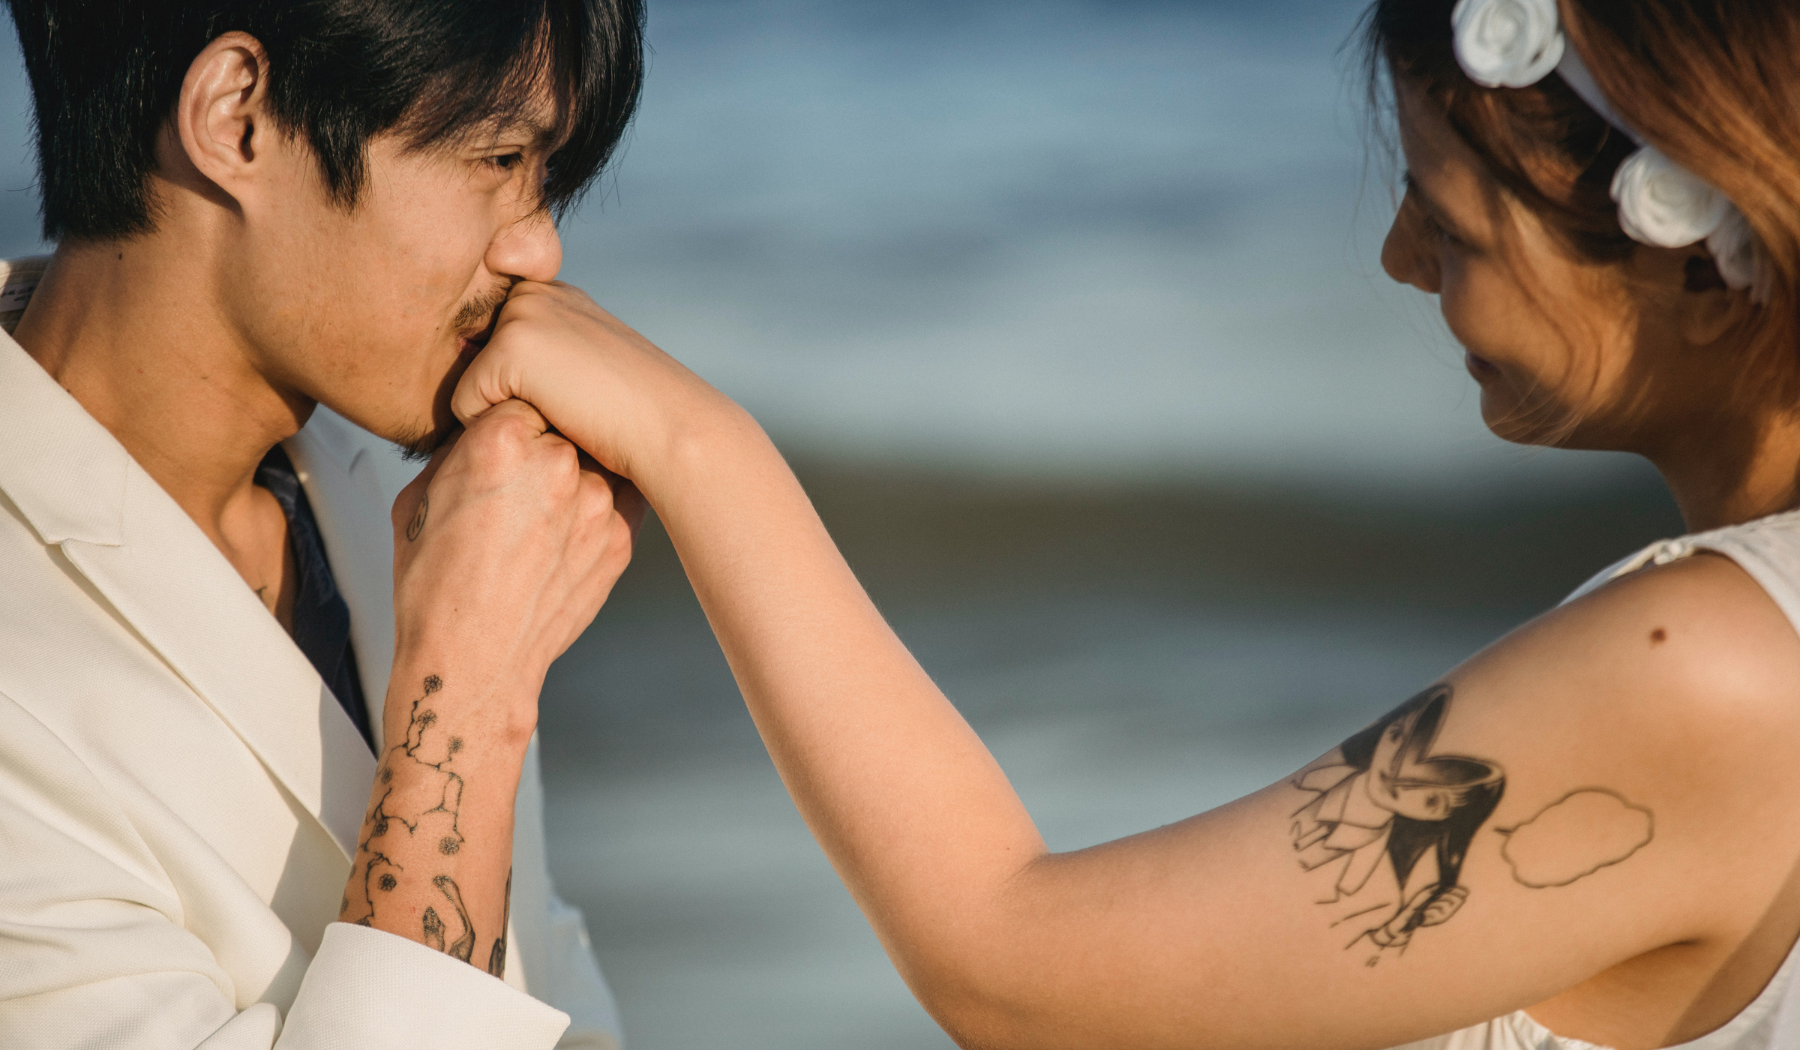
<point x="1730" y="595"/>
<point x="1666" y="700"/>
<point x="1767" y="550"/>
<point x="1669" y="665"/>
<point x="1712" y="615"/>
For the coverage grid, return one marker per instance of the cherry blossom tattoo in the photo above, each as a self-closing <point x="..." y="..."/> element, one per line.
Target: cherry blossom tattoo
<point x="414" y="817"/>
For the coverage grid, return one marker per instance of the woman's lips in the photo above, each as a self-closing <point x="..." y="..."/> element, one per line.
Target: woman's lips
<point x="1479" y="367"/>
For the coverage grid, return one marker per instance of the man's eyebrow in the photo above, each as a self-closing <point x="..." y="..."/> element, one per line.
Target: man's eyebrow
<point x="537" y="133"/>
<point x="512" y="131"/>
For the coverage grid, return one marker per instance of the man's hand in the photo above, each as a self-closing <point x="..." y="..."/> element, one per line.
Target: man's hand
<point x="604" y="386"/>
<point x="505" y="546"/>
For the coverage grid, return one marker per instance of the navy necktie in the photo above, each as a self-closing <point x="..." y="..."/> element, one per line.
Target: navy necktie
<point x="321" y="618"/>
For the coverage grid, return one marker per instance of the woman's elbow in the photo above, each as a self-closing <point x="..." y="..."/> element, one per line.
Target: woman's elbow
<point x="983" y="1009"/>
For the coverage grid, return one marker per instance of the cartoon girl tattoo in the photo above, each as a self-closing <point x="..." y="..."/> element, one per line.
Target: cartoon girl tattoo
<point x="1391" y="823"/>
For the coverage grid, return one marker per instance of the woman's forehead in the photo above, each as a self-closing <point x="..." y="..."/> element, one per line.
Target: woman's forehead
<point x="1436" y="156"/>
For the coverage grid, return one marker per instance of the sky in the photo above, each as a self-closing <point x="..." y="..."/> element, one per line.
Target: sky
<point x="1084" y="238"/>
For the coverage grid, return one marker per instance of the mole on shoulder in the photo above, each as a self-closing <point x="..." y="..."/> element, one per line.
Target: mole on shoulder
<point x="1658" y="636"/>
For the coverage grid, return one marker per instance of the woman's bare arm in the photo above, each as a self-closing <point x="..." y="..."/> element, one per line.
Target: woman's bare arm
<point x="1612" y="780"/>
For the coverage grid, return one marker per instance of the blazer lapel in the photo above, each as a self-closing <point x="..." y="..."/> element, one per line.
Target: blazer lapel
<point x="83" y="492"/>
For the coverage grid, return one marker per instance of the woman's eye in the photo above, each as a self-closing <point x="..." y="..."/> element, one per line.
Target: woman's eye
<point x="1439" y="233"/>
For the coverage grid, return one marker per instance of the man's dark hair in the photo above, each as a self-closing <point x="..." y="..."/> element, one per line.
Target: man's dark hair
<point x="105" y="76"/>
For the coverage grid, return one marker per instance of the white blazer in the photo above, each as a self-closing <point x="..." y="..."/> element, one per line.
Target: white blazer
<point x="179" y="792"/>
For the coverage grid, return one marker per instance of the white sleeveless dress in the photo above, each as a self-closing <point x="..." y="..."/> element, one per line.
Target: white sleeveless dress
<point x="1769" y="550"/>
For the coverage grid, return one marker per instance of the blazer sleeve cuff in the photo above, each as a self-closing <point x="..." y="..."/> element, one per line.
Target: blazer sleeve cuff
<point x="369" y="988"/>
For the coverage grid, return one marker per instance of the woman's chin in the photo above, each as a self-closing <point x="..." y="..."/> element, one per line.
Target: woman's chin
<point x="1507" y="415"/>
<point x="1510" y="421"/>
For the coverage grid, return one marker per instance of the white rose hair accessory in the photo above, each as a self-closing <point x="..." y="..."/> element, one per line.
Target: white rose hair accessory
<point x="1516" y="43"/>
<point x="1664" y="204"/>
<point x="1508" y="43"/>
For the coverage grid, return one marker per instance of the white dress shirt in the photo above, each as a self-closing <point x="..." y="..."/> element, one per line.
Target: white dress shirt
<point x="180" y="794"/>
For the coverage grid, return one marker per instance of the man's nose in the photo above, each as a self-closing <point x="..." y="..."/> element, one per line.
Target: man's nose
<point x="527" y="250"/>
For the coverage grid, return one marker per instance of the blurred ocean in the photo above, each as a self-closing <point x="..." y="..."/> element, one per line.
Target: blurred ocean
<point x="1070" y="314"/>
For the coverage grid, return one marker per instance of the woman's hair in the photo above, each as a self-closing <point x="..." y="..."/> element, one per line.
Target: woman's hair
<point x="1714" y="84"/>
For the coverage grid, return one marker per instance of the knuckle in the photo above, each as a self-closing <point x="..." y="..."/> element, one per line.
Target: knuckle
<point x="564" y="459"/>
<point x="512" y="428"/>
<point x="596" y="497"/>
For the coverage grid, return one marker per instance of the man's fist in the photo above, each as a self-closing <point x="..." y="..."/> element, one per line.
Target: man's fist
<point x="505" y="546"/>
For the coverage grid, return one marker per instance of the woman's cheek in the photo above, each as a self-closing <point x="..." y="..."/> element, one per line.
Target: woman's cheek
<point x="1463" y="314"/>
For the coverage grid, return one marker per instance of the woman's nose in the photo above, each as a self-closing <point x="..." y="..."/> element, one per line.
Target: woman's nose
<point x="1403" y="253"/>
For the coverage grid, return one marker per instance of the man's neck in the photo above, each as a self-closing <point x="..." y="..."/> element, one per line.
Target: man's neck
<point x="133" y="331"/>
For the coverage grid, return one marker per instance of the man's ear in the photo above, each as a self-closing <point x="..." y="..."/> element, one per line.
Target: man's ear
<point x="221" y="120"/>
<point x="1709" y="308"/>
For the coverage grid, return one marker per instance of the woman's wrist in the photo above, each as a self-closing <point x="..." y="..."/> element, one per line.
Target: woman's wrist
<point x="720" y="440"/>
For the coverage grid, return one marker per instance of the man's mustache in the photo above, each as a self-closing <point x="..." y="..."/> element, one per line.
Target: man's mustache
<point x="474" y="320"/>
<point x="476" y="317"/>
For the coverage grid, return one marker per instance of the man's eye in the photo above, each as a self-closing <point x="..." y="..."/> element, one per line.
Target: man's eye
<point x="507" y="161"/>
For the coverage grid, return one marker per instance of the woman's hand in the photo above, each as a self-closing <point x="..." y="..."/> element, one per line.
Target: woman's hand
<point x="598" y="382"/>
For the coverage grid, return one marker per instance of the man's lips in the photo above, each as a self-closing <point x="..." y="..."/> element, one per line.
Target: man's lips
<point x="1480" y="367"/>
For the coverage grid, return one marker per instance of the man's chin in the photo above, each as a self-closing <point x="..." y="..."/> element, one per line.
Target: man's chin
<point x="420" y="442"/>
<point x="416" y="444"/>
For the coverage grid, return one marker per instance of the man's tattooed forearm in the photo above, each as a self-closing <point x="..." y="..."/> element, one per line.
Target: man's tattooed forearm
<point x="417" y="525"/>
<point x="414" y="814"/>
<point x="1390" y="822"/>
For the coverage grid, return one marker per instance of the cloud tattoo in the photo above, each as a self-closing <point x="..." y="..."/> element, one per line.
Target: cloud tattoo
<point x="1575" y="836"/>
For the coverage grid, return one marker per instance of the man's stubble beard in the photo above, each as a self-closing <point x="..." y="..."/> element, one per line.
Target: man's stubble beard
<point x="474" y="320"/>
